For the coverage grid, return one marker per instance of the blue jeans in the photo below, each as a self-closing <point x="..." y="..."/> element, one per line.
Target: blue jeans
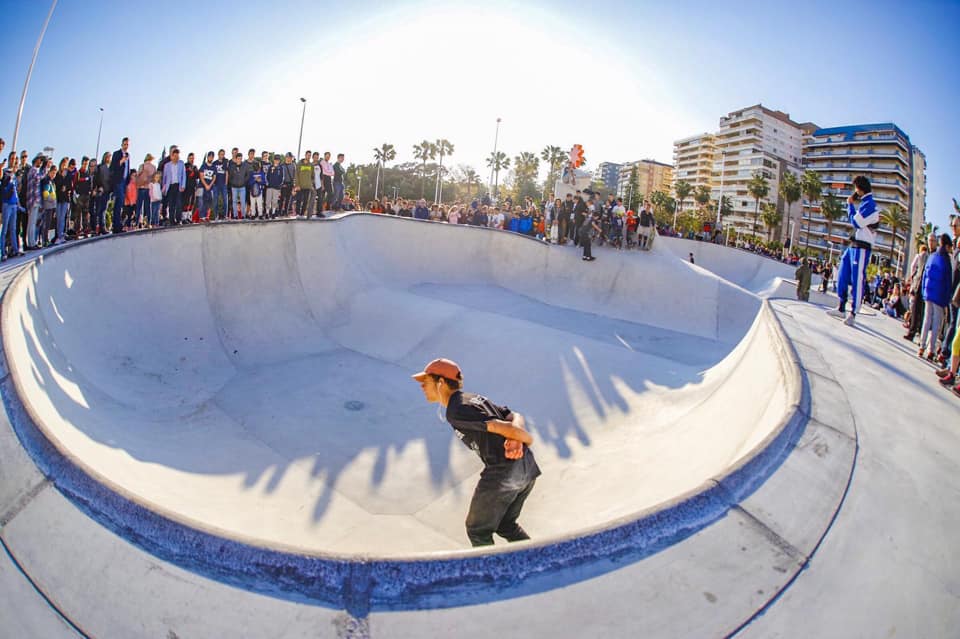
<point x="206" y="203"/>
<point x="239" y="195"/>
<point x="118" y="207"/>
<point x="9" y="229"/>
<point x="142" y="209"/>
<point x="63" y="210"/>
<point x="154" y="218"/>
<point x="337" y="195"/>
<point x="220" y="193"/>
<point x="99" y="208"/>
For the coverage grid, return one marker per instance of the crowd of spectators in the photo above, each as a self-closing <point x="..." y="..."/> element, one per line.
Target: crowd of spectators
<point x="47" y="202"/>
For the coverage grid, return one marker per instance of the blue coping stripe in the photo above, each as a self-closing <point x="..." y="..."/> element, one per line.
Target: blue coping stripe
<point x="361" y="585"/>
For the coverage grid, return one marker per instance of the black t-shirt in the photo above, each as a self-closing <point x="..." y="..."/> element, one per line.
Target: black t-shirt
<point x="468" y="414"/>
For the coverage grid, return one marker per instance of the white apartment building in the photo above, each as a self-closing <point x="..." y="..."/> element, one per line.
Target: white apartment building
<point x="896" y="170"/>
<point x="693" y="160"/>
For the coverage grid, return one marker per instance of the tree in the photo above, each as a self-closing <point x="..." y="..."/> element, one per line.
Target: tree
<point x="726" y="208"/>
<point x="771" y="218"/>
<point x="444" y="147"/>
<point x="758" y="187"/>
<point x="702" y="197"/>
<point x="525" y="168"/>
<point x="497" y="161"/>
<point x="896" y="218"/>
<point x="681" y="190"/>
<point x="471" y="177"/>
<point x="812" y="189"/>
<point x="928" y="228"/>
<point x="386" y="153"/>
<point x="424" y="151"/>
<point x="553" y="156"/>
<point x="832" y="210"/>
<point x="633" y="190"/>
<point x="790" y="190"/>
<point x="664" y="207"/>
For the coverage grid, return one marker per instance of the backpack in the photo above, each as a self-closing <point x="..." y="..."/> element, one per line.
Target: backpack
<point x="256" y="189"/>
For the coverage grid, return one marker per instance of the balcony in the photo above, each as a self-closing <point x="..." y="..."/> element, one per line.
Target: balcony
<point x="873" y="139"/>
<point x="873" y="153"/>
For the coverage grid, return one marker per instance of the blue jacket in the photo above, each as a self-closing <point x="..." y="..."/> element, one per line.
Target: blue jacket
<point x="421" y="213"/>
<point x="174" y="173"/>
<point x="275" y="176"/>
<point x="8" y="187"/>
<point x="938" y="278"/>
<point x="863" y="217"/>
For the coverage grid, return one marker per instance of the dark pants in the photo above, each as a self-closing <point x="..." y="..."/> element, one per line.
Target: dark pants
<point x="562" y="233"/>
<point x="305" y="202"/>
<point x="285" y="192"/>
<point x="99" y="210"/>
<point x="494" y="509"/>
<point x="327" y="192"/>
<point x="585" y="243"/>
<point x="916" y="315"/>
<point x="574" y="230"/>
<point x="220" y="192"/>
<point x="118" y="207"/>
<point x="950" y="332"/>
<point x="172" y="203"/>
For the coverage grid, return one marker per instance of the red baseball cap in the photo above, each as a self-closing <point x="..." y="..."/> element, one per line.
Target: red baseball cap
<point x="442" y="368"/>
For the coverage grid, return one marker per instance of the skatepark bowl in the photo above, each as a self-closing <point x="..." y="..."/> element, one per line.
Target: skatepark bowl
<point x="236" y="398"/>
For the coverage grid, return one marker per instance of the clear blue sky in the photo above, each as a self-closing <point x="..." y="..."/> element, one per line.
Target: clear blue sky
<point x="222" y="74"/>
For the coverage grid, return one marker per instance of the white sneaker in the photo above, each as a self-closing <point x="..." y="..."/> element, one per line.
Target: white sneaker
<point x="851" y="319"/>
<point x="835" y="313"/>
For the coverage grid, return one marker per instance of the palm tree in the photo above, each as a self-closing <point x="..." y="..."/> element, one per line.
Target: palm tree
<point x="920" y="237"/>
<point x="896" y="218"/>
<point x="681" y="189"/>
<point x="832" y="210"/>
<point x="702" y="197"/>
<point x="758" y="187"/>
<point x="381" y="156"/>
<point x="444" y="147"/>
<point x="812" y="189"/>
<point x="471" y="177"/>
<point x="497" y="161"/>
<point x="424" y="151"/>
<point x="790" y="190"/>
<point x="771" y="218"/>
<point x="553" y="156"/>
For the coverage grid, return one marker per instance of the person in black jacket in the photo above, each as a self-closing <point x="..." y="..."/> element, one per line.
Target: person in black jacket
<point x="119" y="172"/>
<point x="499" y="437"/>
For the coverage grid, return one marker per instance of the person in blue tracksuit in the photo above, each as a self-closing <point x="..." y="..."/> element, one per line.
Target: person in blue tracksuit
<point x="863" y="215"/>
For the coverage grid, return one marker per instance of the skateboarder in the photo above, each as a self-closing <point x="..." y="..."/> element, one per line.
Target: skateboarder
<point x="498" y="436"/>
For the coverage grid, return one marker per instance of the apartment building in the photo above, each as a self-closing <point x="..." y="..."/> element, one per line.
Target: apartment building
<point x="609" y="174"/>
<point x="897" y="173"/>
<point x="651" y="176"/>
<point x="693" y="160"/>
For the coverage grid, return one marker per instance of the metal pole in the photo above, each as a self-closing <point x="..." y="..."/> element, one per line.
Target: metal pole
<point x="26" y="83"/>
<point x="99" y="131"/>
<point x="359" y="182"/>
<point x="723" y="154"/>
<point x="496" y="136"/>
<point x="302" y="118"/>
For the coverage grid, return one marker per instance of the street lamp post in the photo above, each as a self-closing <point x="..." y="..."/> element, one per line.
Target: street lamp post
<point x="395" y="191"/>
<point x="26" y="83"/>
<point x="302" y="118"/>
<point x="493" y="167"/>
<point x="359" y="182"/>
<point x="99" y="131"/>
<point x="723" y="155"/>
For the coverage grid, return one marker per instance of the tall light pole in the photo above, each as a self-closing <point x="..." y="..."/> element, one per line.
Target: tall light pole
<point x="723" y="155"/>
<point x="359" y="182"/>
<point x="99" y="131"/>
<point x="26" y="83"/>
<point x="496" y="136"/>
<point x="302" y="118"/>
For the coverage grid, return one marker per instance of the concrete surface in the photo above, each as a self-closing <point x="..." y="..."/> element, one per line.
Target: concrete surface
<point x="215" y="385"/>
<point x="854" y="536"/>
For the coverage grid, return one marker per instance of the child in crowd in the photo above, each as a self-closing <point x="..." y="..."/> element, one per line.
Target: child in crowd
<point x="48" y="195"/>
<point x="129" y="200"/>
<point x="156" y="200"/>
